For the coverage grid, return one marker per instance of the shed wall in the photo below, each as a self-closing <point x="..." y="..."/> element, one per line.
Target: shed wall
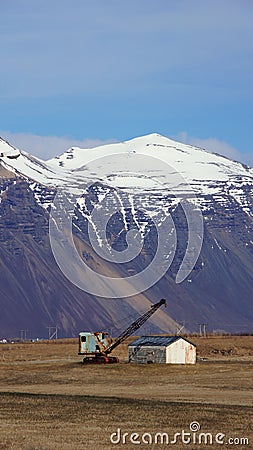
<point x="143" y="355"/>
<point x="181" y="352"/>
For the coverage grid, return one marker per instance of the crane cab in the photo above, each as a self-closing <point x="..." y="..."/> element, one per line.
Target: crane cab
<point x="92" y="343"/>
<point x="93" y="347"/>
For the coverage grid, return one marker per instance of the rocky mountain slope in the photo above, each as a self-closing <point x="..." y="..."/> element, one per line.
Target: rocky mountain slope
<point x="142" y="185"/>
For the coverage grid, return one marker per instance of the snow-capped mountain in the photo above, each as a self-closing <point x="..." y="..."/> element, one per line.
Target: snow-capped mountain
<point x="205" y="172"/>
<point x="194" y="163"/>
<point x="152" y="174"/>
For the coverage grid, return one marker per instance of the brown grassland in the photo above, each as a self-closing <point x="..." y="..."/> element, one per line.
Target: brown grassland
<point x="49" y="400"/>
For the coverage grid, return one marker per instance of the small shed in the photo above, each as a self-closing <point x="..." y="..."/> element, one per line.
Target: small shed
<point x="162" y="349"/>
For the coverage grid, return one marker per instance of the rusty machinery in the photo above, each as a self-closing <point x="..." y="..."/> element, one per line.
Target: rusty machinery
<point x="96" y="347"/>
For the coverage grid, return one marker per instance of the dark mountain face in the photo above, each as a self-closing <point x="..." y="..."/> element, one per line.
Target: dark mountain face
<point x="35" y="294"/>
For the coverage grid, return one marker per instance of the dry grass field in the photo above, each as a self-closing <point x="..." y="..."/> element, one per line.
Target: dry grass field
<point x="49" y="400"/>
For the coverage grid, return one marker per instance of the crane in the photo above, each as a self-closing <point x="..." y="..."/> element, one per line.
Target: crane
<point x="96" y="347"/>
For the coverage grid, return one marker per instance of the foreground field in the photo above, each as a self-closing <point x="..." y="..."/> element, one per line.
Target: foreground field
<point x="49" y="400"/>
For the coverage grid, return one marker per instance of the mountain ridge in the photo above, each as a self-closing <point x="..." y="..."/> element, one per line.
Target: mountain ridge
<point x="222" y="274"/>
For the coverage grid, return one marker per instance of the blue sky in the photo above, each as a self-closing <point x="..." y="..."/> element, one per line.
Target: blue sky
<point x="84" y="72"/>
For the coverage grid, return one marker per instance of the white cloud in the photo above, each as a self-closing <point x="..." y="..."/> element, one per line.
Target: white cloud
<point x="46" y="147"/>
